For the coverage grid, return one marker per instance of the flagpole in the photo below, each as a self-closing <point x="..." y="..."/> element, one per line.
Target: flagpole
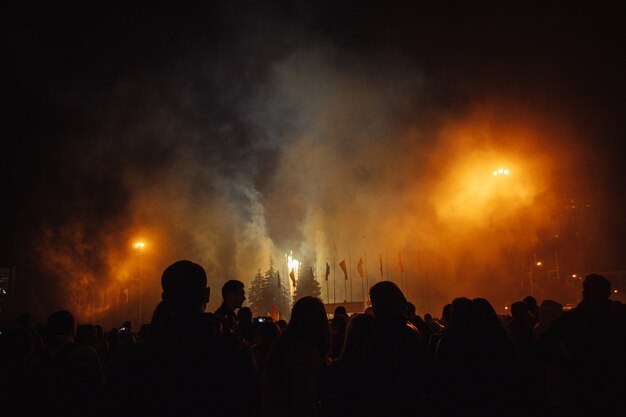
<point x="367" y="284"/>
<point x="345" y="284"/>
<point x="327" y="290"/>
<point x="351" y="293"/>
<point x="334" y="280"/>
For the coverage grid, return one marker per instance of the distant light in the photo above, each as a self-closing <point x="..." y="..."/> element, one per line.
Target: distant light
<point x="539" y="263"/>
<point x="139" y="245"/>
<point x="506" y="172"/>
<point x="615" y="291"/>
<point x="573" y="275"/>
<point x="500" y="171"/>
<point x="506" y="307"/>
<point x="495" y="173"/>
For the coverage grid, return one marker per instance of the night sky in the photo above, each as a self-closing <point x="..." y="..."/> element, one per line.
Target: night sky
<point x="227" y="132"/>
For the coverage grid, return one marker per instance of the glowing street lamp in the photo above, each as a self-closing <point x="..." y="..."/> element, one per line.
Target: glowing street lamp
<point x="500" y="171"/>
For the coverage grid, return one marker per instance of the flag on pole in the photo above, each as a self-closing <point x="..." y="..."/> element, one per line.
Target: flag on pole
<point x="381" y="266"/>
<point x="292" y="275"/>
<point x="327" y="271"/>
<point x="400" y="262"/>
<point x="342" y="265"/>
<point x="359" y="267"/>
<point x="278" y="283"/>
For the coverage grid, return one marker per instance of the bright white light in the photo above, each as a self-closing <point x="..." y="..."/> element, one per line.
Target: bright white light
<point x="495" y="173"/>
<point x="292" y="262"/>
<point x="506" y="172"/>
<point x="139" y="245"/>
<point x="500" y="171"/>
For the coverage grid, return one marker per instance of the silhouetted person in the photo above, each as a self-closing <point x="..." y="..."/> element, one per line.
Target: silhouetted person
<point x="341" y="311"/>
<point x="553" y="386"/>
<point x="549" y="312"/>
<point x="265" y="334"/>
<point x="418" y="322"/>
<point x="282" y="324"/>
<point x="401" y="369"/>
<point x="521" y="327"/>
<point x="70" y="379"/>
<point x="529" y="368"/>
<point x="533" y="308"/>
<point x="474" y="363"/>
<point x="496" y="380"/>
<point x="233" y="296"/>
<point x="291" y="377"/>
<point x="432" y="324"/>
<point x="433" y="341"/>
<point x="246" y="327"/>
<point x="188" y="366"/>
<point x="86" y="335"/>
<point x="347" y="388"/>
<point x="338" y="330"/>
<point x="590" y="345"/>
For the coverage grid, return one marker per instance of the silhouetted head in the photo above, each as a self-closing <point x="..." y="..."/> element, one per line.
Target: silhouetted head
<point x="184" y="287"/>
<point x="550" y="310"/>
<point x="60" y="326"/>
<point x="61" y="323"/>
<point x="596" y="288"/>
<point x="244" y="315"/>
<point x="310" y="323"/>
<point x="340" y="311"/>
<point x="359" y="339"/>
<point x="233" y="293"/>
<point x="388" y="301"/>
<point x="531" y="302"/>
<point x="485" y="313"/>
<point x="519" y="310"/>
<point x="462" y="314"/>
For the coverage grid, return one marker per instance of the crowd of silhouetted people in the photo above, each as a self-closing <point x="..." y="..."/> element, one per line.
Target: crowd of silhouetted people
<point x="387" y="361"/>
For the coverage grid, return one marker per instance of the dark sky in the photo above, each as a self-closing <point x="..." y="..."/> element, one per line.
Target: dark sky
<point x="111" y="107"/>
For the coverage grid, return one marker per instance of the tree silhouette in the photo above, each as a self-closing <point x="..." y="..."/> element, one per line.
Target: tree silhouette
<point x="266" y="291"/>
<point x="306" y="284"/>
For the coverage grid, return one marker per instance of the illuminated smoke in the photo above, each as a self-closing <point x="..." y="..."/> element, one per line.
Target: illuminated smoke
<point x="330" y="158"/>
